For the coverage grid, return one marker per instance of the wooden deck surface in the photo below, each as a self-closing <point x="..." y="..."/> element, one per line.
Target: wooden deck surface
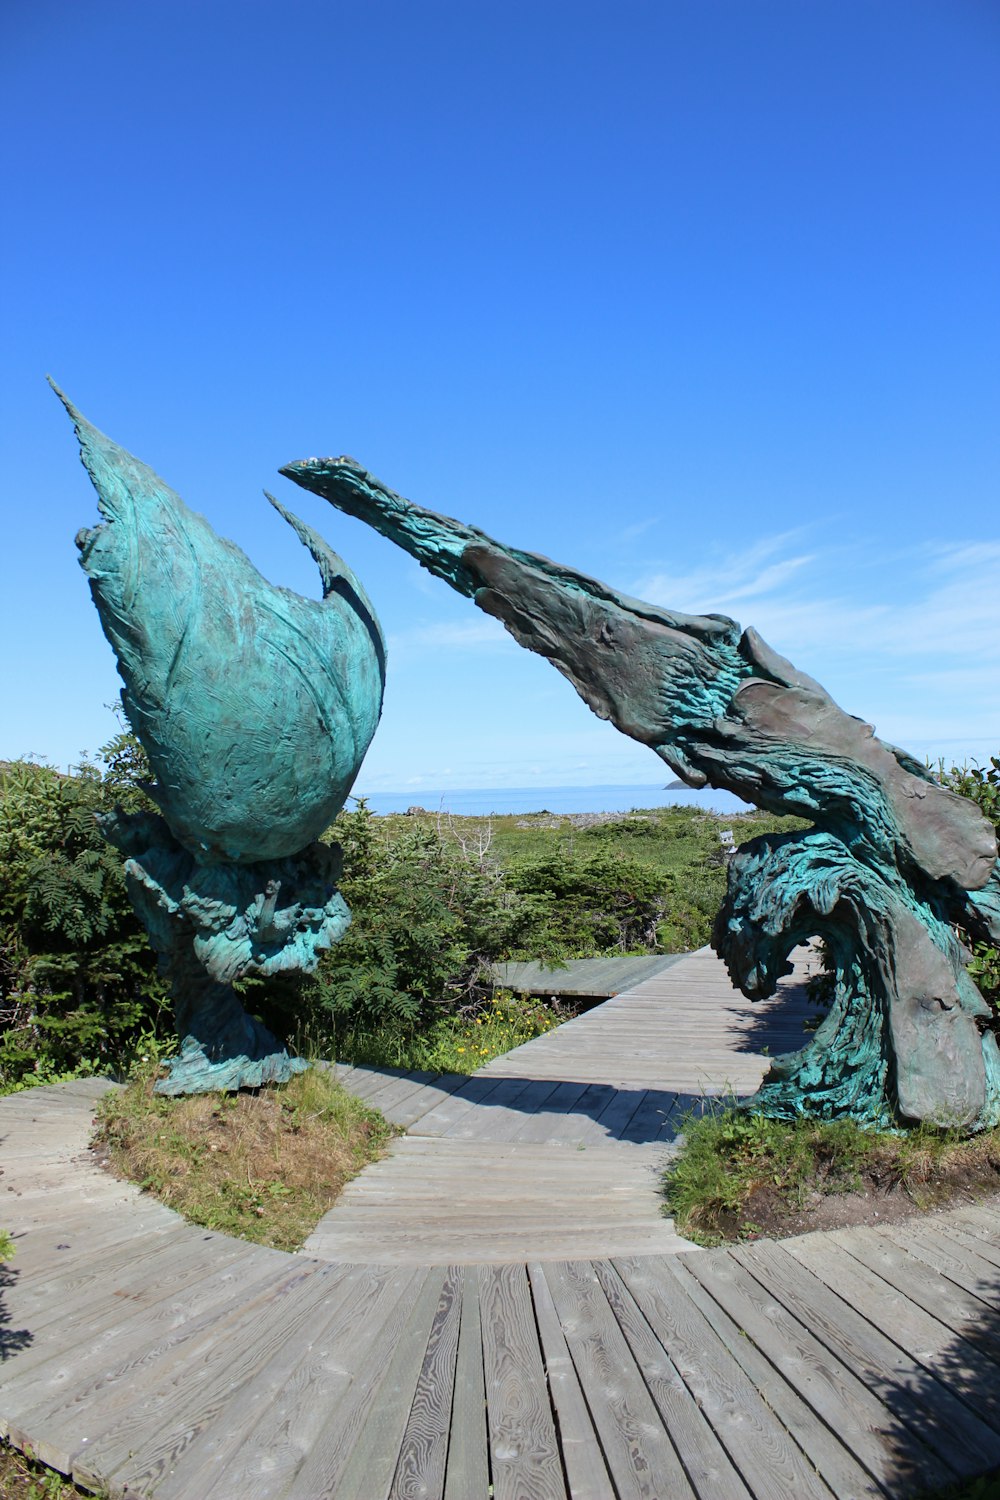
<point x="162" y="1360"/>
<point x="582" y="977"/>
<point x="556" y="1150"/>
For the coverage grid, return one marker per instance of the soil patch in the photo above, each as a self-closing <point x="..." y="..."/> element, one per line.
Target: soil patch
<point x="741" y="1176"/>
<point x="767" y="1215"/>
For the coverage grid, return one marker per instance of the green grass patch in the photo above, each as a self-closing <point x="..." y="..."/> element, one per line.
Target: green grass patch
<point x="23" y="1478"/>
<point x="453" y="1043"/>
<point x="738" y="1174"/>
<point x="264" y="1164"/>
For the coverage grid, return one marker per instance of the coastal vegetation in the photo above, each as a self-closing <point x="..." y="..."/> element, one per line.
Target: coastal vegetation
<point x="435" y="900"/>
<point x="738" y="1175"/>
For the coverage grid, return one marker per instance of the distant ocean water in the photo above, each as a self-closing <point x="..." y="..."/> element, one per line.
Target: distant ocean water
<point x="479" y="803"/>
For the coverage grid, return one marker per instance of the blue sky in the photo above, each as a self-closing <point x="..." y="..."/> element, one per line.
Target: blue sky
<point x="698" y="296"/>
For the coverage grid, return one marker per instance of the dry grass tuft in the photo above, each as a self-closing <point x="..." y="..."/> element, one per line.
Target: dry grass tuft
<point x="265" y="1165"/>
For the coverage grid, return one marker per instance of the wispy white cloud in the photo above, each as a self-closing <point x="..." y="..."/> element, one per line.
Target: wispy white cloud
<point x="637" y="529"/>
<point x="909" y="640"/>
<point x="937" y="602"/>
<point x="478" y="633"/>
<point x="724" y="578"/>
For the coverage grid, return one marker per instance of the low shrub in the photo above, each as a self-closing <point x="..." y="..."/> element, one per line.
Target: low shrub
<point x="451" y="1043"/>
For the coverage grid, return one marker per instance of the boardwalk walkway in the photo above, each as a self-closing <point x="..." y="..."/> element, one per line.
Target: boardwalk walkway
<point x="556" y="1149"/>
<point x="159" y="1359"/>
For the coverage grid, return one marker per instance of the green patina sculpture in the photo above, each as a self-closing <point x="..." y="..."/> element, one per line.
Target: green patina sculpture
<point x="892" y="861"/>
<point x="255" y="707"/>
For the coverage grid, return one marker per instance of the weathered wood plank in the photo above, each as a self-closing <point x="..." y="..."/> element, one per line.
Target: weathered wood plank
<point x="487" y="1248"/>
<point x="978" y="1244"/>
<point x="893" y="1455"/>
<point x="973" y="1375"/>
<point x="470" y="1095"/>
<point x="962" y="1265"/>
<point x="586" y="1471"/>
<point x="316" y="1401"/>
<point x="134" y="1274"/>
<point x="978" y="1218"/>
<point x="614" y="1120"/>
<point x="33" y="1401"/>
<point x="915" y="1397"/>
<point x="65" y="1331"/>
<point x="726" y="1380"/>
<point x="159" y="1413"/>
<point x="705" y="1460"/>
<point x="358" y="1216"/>
<point x="831" y="1460"/>
<point x="524" y="1451"/>
<point x="500" y="1116"/>
<point x="963" y="1312"/>
<point x="640" y="1456"/>
<point x="421" y="1467"/>
<point x="395" y="1091"/>
<point x="343" y="1420"/>
<point x="552" y="1123"/>
<point x="373" y="1460"/>
<point x="46" y="1249"/>
<point x="468" y="1466"/>
<point x="427" y="1099"/>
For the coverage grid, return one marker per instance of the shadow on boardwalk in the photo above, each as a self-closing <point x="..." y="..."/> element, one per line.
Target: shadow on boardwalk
<point x="781" y="1027"/>
<point x="483" y="1106"/>
<point x="952" y="1399"/>
<point x="11" y="1339"/>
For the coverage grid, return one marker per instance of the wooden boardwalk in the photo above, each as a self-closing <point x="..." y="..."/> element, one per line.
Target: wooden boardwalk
<point x="160" y="1360"/>
<point x="556" y="1150"/>
<point x="582" y="978"/>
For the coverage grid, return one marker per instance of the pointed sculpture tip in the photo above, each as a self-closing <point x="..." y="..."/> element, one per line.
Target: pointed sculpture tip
<point x="305" y="533"/>
<point x="303" y="465"/>
<point x="287" y="515"/>
<point x="75" y="415"/>
<point x="63" y="398"/>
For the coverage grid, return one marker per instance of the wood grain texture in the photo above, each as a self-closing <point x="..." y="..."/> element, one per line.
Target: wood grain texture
<point x="961" y="1264"/>
<point x="468" y="1463"/>
<point x="147" y="1424"/>
<point x="420" y="1469"/>
<point x="891" y="1453"/>
<point x="316" y="1403"/>
<point x="640" y="1456"/>
<point x="967" y="1370"/>
<point x="685" y="1416"/>
<point x="583" y="1460"/>
<point x="964" y="1313"/>
<point x="703" y="1351"/>
<point x="375" y="1456"/>
<point x="916" y="1399"/>
<point x="468" y="1329"/>
<point x="524" y="1452"/>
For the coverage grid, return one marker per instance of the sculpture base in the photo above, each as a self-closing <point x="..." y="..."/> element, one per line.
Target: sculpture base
<point x="194" y="1072"/>
<point x="902" y="1041"/>
<point x="213" y="925"/>
<point x="223" y="1049"/>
